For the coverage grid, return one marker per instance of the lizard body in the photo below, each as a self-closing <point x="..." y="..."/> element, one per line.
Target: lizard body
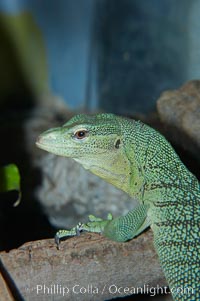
<point x="137" y="159"/>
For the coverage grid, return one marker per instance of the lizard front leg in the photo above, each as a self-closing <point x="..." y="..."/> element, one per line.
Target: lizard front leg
<point x="95" y="225"/>
<point x="126" y="227"/>
<point x="119" y="229"/>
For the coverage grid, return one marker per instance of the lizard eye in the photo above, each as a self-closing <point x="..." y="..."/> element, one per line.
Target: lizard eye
<point x="81" y="134"/>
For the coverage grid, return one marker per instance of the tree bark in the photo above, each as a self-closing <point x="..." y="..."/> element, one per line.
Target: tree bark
<point x="89" y="267"/>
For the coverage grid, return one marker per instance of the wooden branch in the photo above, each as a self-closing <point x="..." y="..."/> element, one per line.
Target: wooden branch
<point x="88" y="267"/>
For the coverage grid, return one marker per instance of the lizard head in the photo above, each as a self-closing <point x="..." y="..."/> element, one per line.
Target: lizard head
<point x="95" y="141"/>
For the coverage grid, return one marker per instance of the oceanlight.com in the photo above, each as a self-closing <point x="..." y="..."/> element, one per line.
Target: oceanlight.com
<point x="61" y="290"/>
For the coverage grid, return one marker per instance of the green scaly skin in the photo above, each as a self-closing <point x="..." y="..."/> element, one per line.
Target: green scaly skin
<point x="137" y="159"/>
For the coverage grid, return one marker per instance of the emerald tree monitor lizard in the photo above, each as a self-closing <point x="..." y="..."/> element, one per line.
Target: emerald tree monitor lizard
<point x="137" y="159"/>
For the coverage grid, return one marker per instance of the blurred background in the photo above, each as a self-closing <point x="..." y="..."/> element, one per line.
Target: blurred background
<point x="97" y="54"/>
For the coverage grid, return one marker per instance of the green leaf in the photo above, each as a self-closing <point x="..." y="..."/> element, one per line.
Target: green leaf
<point x="10" y="180"/>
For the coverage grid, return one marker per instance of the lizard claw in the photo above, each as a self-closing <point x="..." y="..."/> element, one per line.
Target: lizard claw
<point x="57" y="241"/>
<point x="79" y="228"/>
<point x="65" y="233"/>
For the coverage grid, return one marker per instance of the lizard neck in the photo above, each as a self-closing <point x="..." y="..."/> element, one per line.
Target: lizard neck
<point x="155" y="167"/>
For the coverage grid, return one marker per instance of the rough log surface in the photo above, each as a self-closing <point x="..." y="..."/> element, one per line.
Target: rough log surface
<point x="5" y="293"/>
<point x="88" y="267"/>
<point x="179" y="110"/>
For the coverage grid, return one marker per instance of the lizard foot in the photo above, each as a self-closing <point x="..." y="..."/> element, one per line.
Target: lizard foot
<point x="95" y="224"/>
